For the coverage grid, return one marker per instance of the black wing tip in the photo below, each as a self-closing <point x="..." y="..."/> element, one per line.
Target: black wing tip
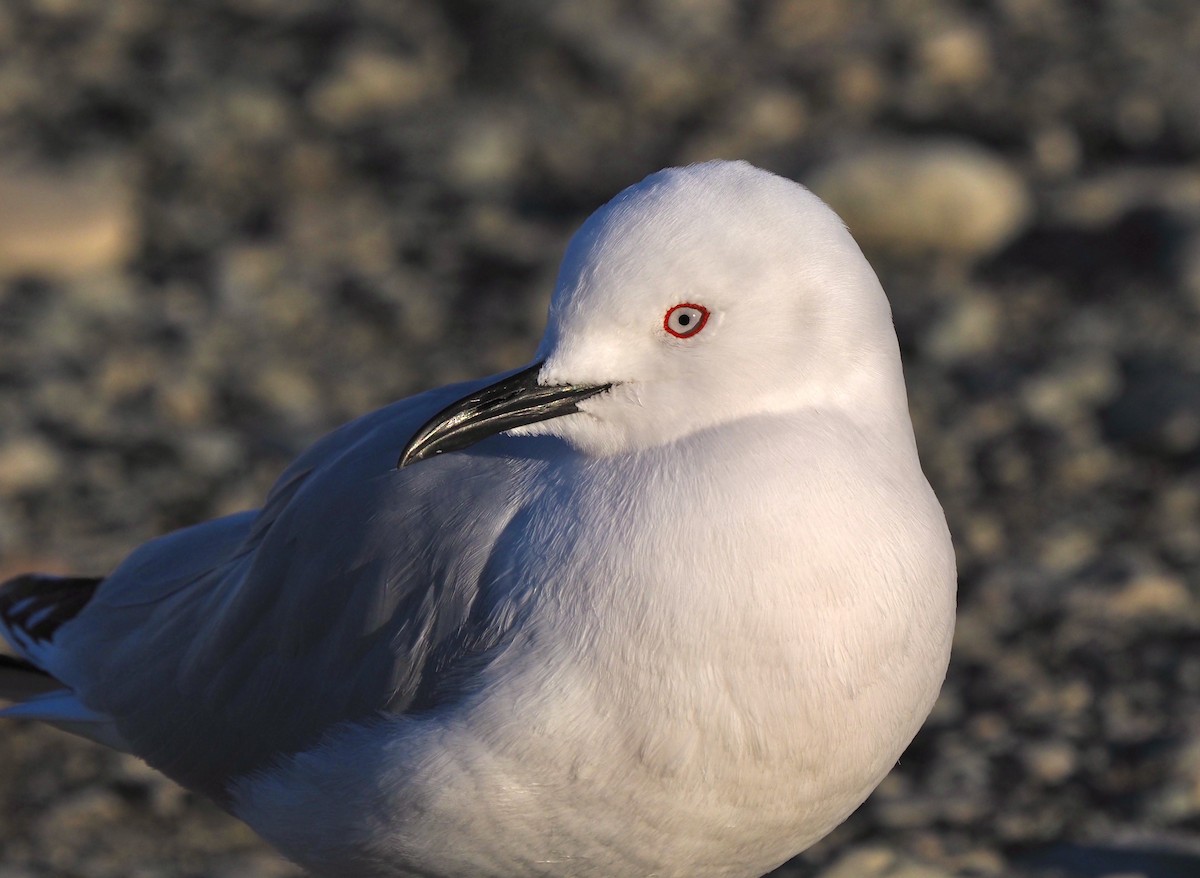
<point x="15" y="663"/>
<point x="37" y="604"/>
<point x="21" y="679"/>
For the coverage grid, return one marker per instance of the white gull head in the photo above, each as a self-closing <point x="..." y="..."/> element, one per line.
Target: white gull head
<point x="707" y="294"/>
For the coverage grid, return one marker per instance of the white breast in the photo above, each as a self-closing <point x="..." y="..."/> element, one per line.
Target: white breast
<point x="707" y="702"/>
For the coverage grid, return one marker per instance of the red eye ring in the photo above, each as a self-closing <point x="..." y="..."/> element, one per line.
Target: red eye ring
<point x="685" y="319"/>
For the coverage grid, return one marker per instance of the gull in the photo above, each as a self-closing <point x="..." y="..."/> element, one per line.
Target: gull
<point x="669" y="601"/>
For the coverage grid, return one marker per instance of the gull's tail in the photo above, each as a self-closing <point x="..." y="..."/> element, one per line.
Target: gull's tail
<point x="32" y="610"/>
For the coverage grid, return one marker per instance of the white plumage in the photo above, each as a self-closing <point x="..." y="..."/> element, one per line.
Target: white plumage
<point x="670" y="601"/>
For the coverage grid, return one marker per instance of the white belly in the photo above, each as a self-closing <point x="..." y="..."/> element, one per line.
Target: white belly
<point x="573" y="780"/>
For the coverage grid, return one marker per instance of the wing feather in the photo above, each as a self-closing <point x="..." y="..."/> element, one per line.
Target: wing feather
<point x="221" y="648"/>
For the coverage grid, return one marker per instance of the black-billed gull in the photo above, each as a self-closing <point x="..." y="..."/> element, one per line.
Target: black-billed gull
<point x="669" y="601"/>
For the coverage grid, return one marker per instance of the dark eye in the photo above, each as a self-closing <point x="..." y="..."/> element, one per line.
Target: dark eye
<point x="684" y="321"/>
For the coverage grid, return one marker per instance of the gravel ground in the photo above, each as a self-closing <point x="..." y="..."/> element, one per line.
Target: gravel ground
<point x="228" y="226"/>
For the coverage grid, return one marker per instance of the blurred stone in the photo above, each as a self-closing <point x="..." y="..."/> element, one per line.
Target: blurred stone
<point x="311" y="169"/>
<point x="970" y="327"/>
<point x="188" y="401"/>
<point x="1089" y="467"/>
<point x="774" y="116"/>
<point x="941" y="197"/>
<point x="65" y="223"/>
<point x="487" y="153"/>
<point x="1051" y="762"/>
<point x="212" y="452"/>
<point x="1072" y="391"/>
<point x="257" y="114"/>
<point x="127" y="374"/>
<point x="1106" y="197"/>
<point x="985" y="535"/>
<point x="27" y="464"/>
<point x="1153" y="594"/>
<point x="989" y="727"/>
<point x="956" y="56"/>
<point x="661" y="81"/>
<point x="349" y="227"/>
<point x="245" y="274"/>
<point x="1057" y="151"/>
<point x="369" y="83"/>
<point x="288" y="392"/>
<point x="80" y="812"/>
<point x="1061" y="701"/>
<point x="766" y="119"/>
<point x="797" y="25"/>
<point x="860" y="85"/>
<point x="707" y="20"/>
<point x="877" y="862"/>
<point x="1181" y="799"/>
<point x="1063" y="551"/>
<point x="110" y="296"/>
<point x="1140" y="119"/>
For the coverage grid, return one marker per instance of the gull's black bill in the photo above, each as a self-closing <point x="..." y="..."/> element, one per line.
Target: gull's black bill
<point x="513" y="402"/>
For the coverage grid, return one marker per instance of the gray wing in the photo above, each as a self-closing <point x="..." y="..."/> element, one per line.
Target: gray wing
<point x="354" y="590"/>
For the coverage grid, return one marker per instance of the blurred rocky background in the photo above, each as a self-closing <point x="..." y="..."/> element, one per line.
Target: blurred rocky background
<point x="227" y="226"/>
